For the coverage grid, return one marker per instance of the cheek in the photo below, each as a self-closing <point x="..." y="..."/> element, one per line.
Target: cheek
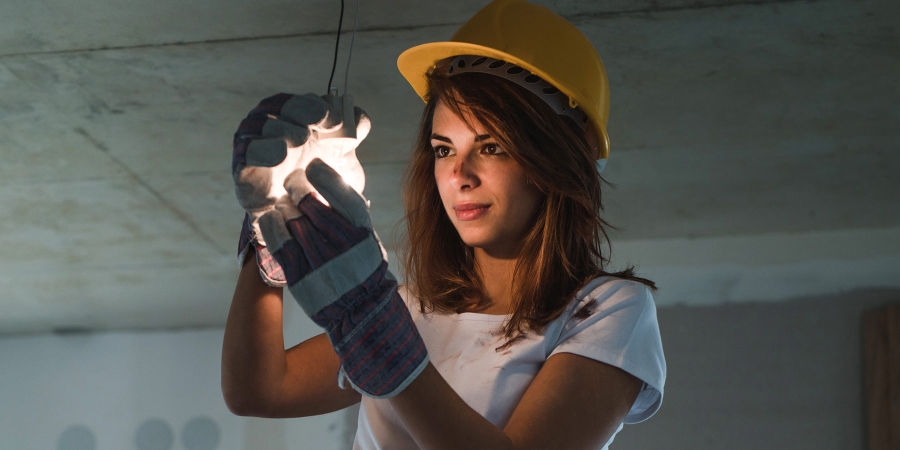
<point x="526" y="197"/>
<point x="516" y="184"/>
<point x="529" y="199"/>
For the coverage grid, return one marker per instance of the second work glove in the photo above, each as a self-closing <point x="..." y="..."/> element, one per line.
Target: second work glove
<point x="337" y="271"/>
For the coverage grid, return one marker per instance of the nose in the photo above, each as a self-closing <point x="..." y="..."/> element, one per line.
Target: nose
<point x="465" y="174"/>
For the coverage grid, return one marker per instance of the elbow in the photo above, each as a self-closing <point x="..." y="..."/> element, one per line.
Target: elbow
<point x="241" y="407"/>
<point x="247" y="407"/>
<point x="244" y="403"/>
<point x="238" y="405"/>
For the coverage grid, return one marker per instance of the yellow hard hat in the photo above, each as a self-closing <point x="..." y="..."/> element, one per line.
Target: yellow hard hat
<point x="534" y="38"/>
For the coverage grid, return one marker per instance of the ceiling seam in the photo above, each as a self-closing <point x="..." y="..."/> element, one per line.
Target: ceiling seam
<point x="220" y="41"/>
<point x="578" y="16"/>
<point x="159" y="197"/>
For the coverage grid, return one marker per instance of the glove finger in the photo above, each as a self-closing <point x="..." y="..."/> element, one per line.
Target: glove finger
<point x="249" y="129"/>
<point x="274" y="231"/>
<point x="294" y="135"/>
<point x="287" y="208"/>
<point x="340" y="195"/>
<point x="263" y="121"/>
<point x="277" y="136"/>
<point x="310" y="109"/>
<point x="253" y="187"/>
<point x="328" y="227"/>
<point x="266" y="152"/>
<point x="272" y="107"/>
<point x="287" y="251"/>
<point x="323" y="233"/>
<point x="297" y="185"/>
<point x="290" y="214"/>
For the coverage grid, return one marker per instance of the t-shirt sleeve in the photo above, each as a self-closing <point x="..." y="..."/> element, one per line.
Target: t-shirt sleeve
<point x="615" y="323"/>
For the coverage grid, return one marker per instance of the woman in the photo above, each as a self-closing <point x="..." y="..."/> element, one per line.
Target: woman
<point x="509" y="332"/>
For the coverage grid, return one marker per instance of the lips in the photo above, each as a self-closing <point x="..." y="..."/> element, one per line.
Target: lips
<point x="470" y="211"/>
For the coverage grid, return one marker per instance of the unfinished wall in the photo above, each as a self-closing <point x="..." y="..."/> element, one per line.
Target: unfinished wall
<point x="762" y="375"/>
<point x="784" y="375"/>
<point x="150" y="390"/>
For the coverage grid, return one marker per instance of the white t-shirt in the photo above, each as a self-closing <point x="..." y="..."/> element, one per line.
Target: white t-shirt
<point x="611" y="320"/>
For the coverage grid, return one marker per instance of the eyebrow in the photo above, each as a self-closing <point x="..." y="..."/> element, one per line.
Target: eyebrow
<point x="480" y="137"/>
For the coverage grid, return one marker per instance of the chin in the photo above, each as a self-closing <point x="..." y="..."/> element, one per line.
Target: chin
<point x="475" y="240"/>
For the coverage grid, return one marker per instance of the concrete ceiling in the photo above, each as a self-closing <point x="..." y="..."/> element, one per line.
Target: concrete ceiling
<point x="755" y="146"/>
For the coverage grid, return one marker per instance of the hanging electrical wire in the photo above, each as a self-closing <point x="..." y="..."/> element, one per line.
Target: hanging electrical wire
<point x="342" y="103"/>
<point x="337" y="45"/>
<point x="352" y="38"/>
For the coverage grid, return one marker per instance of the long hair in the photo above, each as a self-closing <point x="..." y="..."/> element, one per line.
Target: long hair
<point x="563" y="249"/>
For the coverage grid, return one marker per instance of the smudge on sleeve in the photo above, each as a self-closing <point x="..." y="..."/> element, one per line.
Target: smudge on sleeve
<point x="585" y="310"/>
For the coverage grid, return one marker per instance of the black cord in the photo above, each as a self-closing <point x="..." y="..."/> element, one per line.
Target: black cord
<point x="350" y="53"/>
<point x="337" y="45"/>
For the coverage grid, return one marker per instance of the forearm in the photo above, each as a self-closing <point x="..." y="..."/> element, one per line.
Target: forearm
<point x="253" y="356"/>
<point x="437" y="418"/>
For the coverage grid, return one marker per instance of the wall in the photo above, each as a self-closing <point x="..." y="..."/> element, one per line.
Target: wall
<point x="762" y="375"/>
<point x="139" y="390"/>
<point x="784" y="375"/>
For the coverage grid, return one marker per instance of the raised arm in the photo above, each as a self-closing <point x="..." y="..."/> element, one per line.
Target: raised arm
<point x="261" y="378"/>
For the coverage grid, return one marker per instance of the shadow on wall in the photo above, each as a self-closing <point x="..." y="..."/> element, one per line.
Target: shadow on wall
<point x="200" y="433"/>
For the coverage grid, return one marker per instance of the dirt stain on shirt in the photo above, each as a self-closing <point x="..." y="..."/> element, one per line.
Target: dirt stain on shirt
<point x="585" y="310"/>
<point x="508" y="344"/>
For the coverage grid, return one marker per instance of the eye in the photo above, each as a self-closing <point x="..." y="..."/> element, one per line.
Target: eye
<point x="492" y="149"/>
<point x="441" y="151"/>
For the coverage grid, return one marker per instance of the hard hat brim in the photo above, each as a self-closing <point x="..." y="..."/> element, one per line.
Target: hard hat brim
<point x="415" y="63"/>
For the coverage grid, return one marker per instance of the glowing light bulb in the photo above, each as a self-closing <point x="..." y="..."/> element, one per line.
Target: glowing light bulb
<point x="336" y="148"/>
<point x="340" y="154"/>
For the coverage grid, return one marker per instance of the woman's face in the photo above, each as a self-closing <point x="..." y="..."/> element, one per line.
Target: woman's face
<point x="483" y="189"/>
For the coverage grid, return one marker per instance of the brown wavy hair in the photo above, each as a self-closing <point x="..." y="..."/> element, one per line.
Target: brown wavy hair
<point x="563" y="249"/>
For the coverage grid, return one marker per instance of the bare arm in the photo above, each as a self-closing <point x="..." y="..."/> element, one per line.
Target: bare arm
<point x="573" y="403"/>
<point x="260" y="377"/>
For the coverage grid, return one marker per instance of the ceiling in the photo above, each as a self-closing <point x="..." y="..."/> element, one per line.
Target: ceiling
<point x="754" y="146"/>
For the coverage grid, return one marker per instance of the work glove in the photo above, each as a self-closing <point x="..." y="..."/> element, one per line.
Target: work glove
<point x="279" y="135"/>
<point x="337" y="271"/>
